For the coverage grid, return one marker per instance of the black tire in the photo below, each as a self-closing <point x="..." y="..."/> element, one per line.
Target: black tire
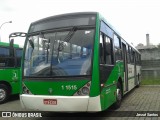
<point x="4" y="93"/>
<point x="119" y="95"/>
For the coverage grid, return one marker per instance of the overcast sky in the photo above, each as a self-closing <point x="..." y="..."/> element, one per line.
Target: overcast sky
<point x="132" y="18"/>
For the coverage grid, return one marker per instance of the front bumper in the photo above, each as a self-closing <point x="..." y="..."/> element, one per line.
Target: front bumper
<point x="64" y="103"/>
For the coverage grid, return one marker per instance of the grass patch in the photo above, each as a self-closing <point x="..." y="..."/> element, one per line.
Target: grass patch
<point x="150" y="81"/>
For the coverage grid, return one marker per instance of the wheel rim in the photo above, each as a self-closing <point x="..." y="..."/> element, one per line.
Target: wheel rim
<point x="2" y="94"/>
<point x="119" y="95"/>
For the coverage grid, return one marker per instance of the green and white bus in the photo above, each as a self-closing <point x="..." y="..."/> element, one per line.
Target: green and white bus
<point x="76" y="62"/>
<point x="10" y="64"/>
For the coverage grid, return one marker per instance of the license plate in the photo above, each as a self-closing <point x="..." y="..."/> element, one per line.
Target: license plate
<point x="50" y="101"/>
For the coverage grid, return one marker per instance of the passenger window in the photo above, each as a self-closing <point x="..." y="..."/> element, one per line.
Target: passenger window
<point x="116" y="41"/>
<point x="106" y="51"/>
<point x="101" y="49"/>
<point x="117" y="48"/>
<point x="118" y="54"/>
<point x="132" y="56"/>
<point x="5" y="59"/>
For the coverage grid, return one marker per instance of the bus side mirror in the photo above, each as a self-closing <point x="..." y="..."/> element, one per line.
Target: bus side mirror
<point x="18" y="34"/>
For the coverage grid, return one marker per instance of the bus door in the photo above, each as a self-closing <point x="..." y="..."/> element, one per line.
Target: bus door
<point x="125" y="67"/>
<point x="106" y="68"/>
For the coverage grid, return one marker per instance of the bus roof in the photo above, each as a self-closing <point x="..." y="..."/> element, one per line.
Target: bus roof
<point x="63" y="21"/>
<point x="65" y="16"/>
<point x="7" y="44"/>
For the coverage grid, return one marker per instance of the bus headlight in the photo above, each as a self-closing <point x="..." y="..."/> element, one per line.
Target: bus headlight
<point x="85" y="90"/>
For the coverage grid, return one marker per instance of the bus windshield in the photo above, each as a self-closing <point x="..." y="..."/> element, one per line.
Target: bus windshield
<point x="60" y="53"/>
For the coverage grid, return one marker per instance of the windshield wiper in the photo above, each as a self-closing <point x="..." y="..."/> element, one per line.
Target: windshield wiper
<point x="70" y="34"/>
<point x="60" y="46"/>
<point x="66" y="39"/>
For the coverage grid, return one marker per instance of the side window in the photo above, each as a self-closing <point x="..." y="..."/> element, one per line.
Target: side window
<point x="5" y="59"/>
<point x="116" y="41"/>
<point x="128" y="58"/>
<point x="19" y="52"/>
<point x="101" y="49"/>
<point x="132" y="56"/>
<point x="129" y="54"/>
<point x="137" y="58"/>
<point x="106" y="54"/>
<point x="4" y="52"/>
<point x="117" y="48"/>
<point x="138" y="62"/>
<point x="108" y="51"/>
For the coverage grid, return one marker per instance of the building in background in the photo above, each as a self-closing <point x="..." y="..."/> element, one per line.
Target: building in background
<point x="150" y="59"/>
<point x="148" y="44"/>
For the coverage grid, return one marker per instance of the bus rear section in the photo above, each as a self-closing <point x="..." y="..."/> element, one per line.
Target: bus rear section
<point x="58" y="65"/>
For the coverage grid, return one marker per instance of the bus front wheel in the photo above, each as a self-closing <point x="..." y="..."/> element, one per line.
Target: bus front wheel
<point x="4" y="94"/>
<point x="117" y="104"/>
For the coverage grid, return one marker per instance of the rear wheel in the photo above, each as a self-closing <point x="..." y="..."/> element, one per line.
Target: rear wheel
<point x="4" y="93"/>
<point x="117" y="104"/>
